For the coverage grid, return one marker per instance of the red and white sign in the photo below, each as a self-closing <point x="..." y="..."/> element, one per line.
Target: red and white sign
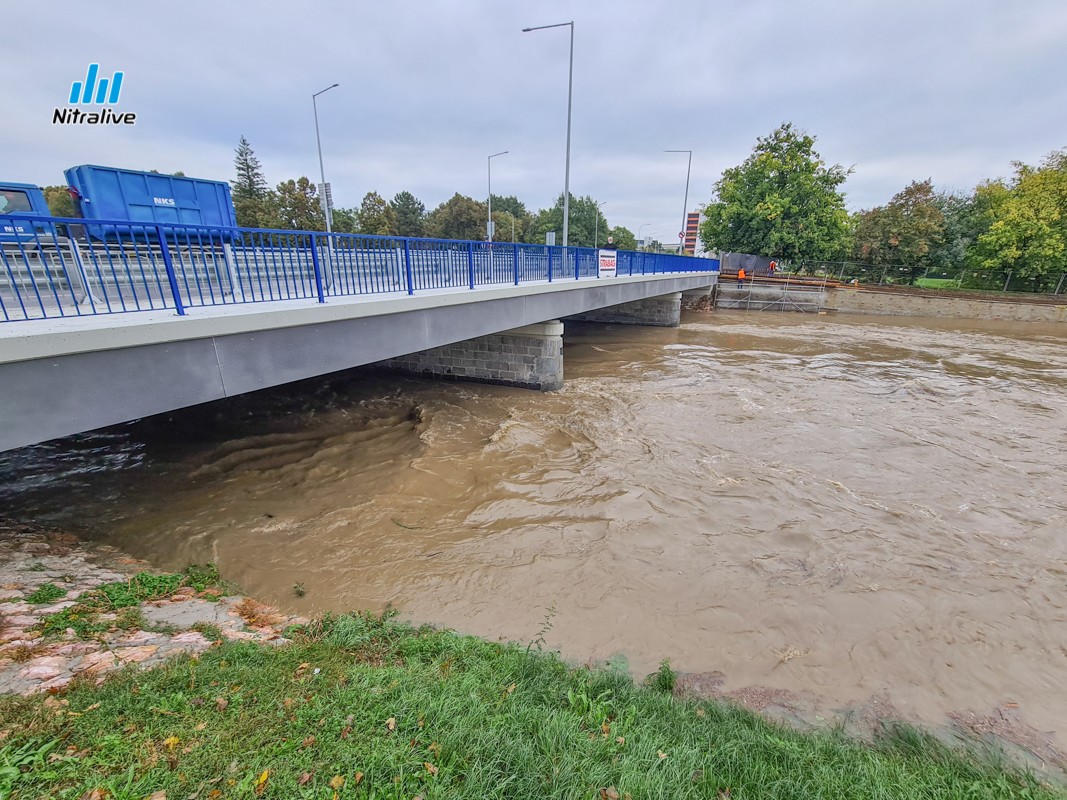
<point x="607" y="261"/>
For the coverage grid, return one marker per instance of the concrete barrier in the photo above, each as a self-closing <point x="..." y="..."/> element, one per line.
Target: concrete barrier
<point x="858" y="301"/>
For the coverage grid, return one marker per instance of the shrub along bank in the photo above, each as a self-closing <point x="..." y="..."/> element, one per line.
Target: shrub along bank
<point x="360" y="706"/>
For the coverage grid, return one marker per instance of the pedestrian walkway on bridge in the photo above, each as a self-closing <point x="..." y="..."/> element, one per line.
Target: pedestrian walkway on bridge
<point x="58" y="268"/>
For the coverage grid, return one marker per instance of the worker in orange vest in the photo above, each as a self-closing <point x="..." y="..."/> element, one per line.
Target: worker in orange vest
<point x="741" y="276"/>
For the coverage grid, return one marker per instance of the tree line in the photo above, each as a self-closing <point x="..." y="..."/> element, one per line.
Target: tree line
<point x="785" y="201"/>
<point x="295" y="205"/>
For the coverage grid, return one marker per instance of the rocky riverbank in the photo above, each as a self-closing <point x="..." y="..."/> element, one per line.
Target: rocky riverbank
<point x="48" y="581"/>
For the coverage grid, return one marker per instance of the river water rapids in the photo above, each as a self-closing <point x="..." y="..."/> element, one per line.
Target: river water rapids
<point x="847" y="506"/>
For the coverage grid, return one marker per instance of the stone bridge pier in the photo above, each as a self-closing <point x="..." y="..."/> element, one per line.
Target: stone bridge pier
<point x="531" y="356"/>
<point x="664" y="311"/>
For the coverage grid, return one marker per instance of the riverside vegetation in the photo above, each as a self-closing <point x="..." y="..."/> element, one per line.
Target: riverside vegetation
<point x="366" y="706"/>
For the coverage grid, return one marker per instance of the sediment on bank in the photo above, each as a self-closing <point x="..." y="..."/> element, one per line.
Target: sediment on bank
<point x="357" y="705"/>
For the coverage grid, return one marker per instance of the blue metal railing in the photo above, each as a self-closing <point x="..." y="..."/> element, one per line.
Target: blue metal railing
<point x="54" y="267"/>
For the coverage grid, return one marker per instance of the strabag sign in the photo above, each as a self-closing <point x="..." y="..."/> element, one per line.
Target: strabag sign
<point x="607" y="261"/>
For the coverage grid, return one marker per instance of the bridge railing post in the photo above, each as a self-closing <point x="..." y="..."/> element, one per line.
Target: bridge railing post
<point x="317" y="267"/>
<point x="470" y="262"/>
<point x="576" y="256"/>
<point x="515" y="262"/>
<point x="548" y="250"/>
<point x="168" y="266"/>
<point x="407" y="267"/>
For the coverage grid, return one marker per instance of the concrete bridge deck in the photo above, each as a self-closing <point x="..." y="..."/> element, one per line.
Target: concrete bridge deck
<point x="68" y="375"/>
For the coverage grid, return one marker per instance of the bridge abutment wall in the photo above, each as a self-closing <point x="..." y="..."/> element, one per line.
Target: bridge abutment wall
<point x="530" y="357"/>
<point x="662" y="311"/>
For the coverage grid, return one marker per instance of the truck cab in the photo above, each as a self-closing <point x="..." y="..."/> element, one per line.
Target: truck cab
<point x="17" y="202"/>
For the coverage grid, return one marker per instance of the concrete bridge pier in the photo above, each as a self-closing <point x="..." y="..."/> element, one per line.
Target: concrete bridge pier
<point x="663" y="311"/>
<point x="530" y="357"/>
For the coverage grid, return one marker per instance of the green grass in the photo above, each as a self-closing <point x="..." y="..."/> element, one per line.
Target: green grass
<point x="45" y="593"/>
<point x="86" y="617"/>
<point x="937" y="283"/>
<point x="365" y="707"/>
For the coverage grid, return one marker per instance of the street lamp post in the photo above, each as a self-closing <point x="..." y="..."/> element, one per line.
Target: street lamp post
<point x="322" y="170"/>
<point x="570" y="92"/>
<point x="489" y="224"/>
<point x="596" y="225"/>
<point x="639" y="229"/>
<point x="685" y="205"/>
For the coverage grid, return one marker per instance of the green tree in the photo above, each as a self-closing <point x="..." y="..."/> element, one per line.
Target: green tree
<point x="509" y="214"/>
<point x="584" y="225"/>
<point x="782" y="201"/>
<point x="962" y="228"/>
<point x="904" y="232"/>
<point x="297" y="207"/>
<point x="1027" y="231"/>
<point x="253" y="202"/>
<point x="460" y="217"/>
<point x="624" y="238"/>
<point x="376" y="216"/>
<point x="345" y="220"/>
<point x="410" y="214"/>
<point x="504" y="222"/>
<point x="60" y="203"/>
<point x="511" y="204"/>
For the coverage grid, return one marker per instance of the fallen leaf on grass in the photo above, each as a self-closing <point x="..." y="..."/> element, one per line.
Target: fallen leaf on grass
<point x="201" y="726"/>
<point x="605" y="729"/>
<point x="610" y="793"/>
<point x="336" y="782"/>
<point x="661" y="754"/>
<point x="172" y="742"/>
<point x="357" y="778"/>
<point x="430" y="768"/>
<point x="221" y="703"/>
<point x="391" y="723"/>
<point x="160" y="795"/>
<point x="94" y="794"/>
<point x="304" y="779"/>
<point x="261" y="784"/>
<point x="701" y="713"/>
<point x="214" y="793"/>
<point x="434" y="748"/>
<point x="309" y="741"/>
<point x="723" y="794"/>
<point x="620" y="740"/>
<point x="346" y="731"/>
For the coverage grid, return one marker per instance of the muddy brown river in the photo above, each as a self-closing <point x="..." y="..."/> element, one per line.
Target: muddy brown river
<point x="848" y="506"/>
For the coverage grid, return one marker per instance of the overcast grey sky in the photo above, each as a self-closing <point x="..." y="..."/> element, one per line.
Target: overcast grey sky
<point x="953" y="90"/>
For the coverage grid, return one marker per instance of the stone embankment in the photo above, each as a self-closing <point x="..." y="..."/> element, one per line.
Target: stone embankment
<point x="917" y="303"/>
<point x="187" y="621"/>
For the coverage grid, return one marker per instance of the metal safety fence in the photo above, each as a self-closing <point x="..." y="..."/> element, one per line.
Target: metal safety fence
<point x="53" y="267"/>
<point x="935" y="278"/>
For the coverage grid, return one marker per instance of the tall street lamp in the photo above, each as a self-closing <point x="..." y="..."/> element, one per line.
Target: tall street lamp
<point x="685" y="205"/>
<point x="489" y="224"/>
<point x="322" y="170"/>
<point x="639" y="229"/>
<point x="596" y="225"/>
<point x="570" y="92"/>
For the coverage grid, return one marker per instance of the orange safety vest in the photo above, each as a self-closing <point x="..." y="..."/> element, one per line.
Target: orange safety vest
<point x="741" y="274"/>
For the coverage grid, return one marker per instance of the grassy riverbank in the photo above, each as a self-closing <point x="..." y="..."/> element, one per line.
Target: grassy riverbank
<point x="365" y="707"/>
